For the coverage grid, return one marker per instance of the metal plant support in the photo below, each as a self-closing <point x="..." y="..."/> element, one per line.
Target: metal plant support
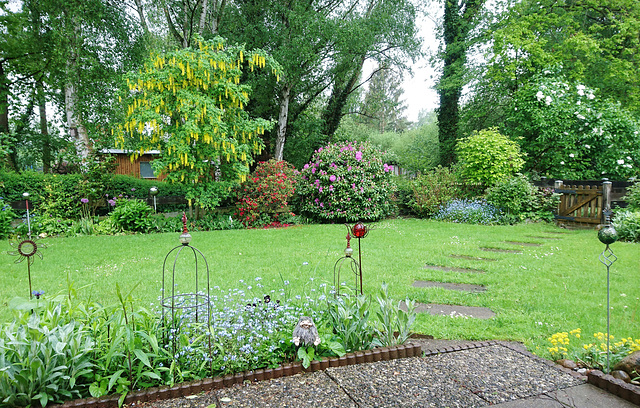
<point x="27" y="248"/>
<point x="607" y="235"/>
<point x="176" y="304"/>
<point x="347" y="261"/>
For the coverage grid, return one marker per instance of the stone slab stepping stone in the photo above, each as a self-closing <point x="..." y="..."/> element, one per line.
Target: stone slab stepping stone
<point x="506" y="251"/>
<point x="540" y="237"/>
<point x="522" y="243"/>
<point x="436" y="309"/>
<point x="465" y="287"/>
<point x="471" y="258"/>
<point x="452" y="269"/>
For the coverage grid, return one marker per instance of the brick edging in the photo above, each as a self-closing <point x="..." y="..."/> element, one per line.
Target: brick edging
<point x="215" y="383"/>
<point x="615" y="386"/>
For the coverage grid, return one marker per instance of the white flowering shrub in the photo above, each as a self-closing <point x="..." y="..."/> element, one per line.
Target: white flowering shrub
<point x="569" y="131"/>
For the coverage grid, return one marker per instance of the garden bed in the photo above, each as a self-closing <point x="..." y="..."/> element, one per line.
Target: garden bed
<point x="215" y="383"/>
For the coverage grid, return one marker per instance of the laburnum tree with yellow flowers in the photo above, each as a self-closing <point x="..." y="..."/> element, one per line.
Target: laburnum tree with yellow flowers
<point x="189" y="104"/>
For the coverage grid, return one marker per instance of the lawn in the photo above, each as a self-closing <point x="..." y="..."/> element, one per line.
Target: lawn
<point x="557" y="286"/>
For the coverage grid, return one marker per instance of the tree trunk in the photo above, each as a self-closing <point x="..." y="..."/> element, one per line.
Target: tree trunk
<point x="457" y="25"/>
<point x="282" y="121"/>
<point x="4" y="114"/>
<point x="44" y="131"/>
<point x="203" y="16"/>
<point x="143" y="20"/>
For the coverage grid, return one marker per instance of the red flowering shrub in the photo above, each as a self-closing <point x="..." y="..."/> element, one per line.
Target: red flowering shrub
<point x="266" y="193"/>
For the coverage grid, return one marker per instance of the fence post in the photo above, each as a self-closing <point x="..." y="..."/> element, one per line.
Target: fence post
<point x="606" y="202"/>
<point x="557" y="185"/>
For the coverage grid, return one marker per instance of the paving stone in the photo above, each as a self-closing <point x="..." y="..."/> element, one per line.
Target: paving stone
<point x="453" y="310"/>
<point x="534" y="244"/>
<point x="409" y="383"/>
<point x="506" y="251"/>
<point x="466" y="287"/>
<point x="452" y="269"/>
<point x="308" y="390"/>
<point x="471" y="258"/>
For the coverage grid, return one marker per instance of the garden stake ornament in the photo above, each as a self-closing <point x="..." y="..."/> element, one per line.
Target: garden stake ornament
<point x="608" y="235"/>
<point x="27" y="248"/>
<point x="360" y="231"/>
<point x="177" y="304"/>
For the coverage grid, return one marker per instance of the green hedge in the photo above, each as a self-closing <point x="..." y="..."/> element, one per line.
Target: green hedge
<point x="13" y="185"/>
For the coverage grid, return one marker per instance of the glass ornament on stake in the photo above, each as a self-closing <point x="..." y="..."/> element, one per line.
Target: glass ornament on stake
<point x="608" y="235"/>
<point x="154" y="192"/>
<point x="359" y="230"/>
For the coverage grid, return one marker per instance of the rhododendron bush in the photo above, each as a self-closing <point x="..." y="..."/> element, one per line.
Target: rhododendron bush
<point x="265" y="194"/>
<point x="346" y="182"/>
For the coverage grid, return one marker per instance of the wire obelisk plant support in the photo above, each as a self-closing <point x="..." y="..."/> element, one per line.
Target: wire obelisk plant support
<point x="608" y="235"/>
<point x="352" y="263"/>
<point x="176" y="304"/>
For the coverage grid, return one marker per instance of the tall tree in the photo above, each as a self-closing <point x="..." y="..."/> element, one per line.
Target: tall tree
<point x="322" y="45"/>
<point x="383" y="108"/>
<point x="458" y="22"/>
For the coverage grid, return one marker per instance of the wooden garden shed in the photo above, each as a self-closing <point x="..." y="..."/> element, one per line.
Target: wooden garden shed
<point x="140" y="167"/>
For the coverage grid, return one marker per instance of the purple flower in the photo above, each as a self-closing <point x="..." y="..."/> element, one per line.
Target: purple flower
<point x="112" y="202"/>
<point x="320" y="189"/>
<point x="332" y="178"/>
<point x="133" y="189"/>
<point x="306" y="166"/>
<point x="37" y="293"/>
<point x="84" y="200"/>
<point x="313" y="170"/>
<point x="358" y="155"/>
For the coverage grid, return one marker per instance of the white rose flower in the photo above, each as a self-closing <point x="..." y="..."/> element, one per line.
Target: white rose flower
<point x="571" y="155"/>
<point x="621" y="161"/>
<point x="548" y="100"/>
<point x="540" y="96"/>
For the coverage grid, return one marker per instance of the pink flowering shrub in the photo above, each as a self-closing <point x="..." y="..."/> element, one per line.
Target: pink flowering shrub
<point x="266" y="192"/>
<point x="346" y="182"/>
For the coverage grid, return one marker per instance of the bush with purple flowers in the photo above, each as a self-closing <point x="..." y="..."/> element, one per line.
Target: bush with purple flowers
<point x="346" y="182"/>
<point x="469" y="212"/>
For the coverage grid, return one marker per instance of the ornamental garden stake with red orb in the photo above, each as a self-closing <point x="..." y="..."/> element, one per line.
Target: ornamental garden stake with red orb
<point x="27" y="248"/>
<point x="178" y="304"/>
<point x="359" y="230"/>
<point x="351" y="263"/>
<point x="608" y="235"/>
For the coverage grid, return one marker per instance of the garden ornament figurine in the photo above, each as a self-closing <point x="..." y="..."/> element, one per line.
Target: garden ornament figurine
<point x="306" y="332"/>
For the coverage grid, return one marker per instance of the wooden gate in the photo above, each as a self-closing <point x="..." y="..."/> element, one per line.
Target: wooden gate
<point x="580" y="204"/>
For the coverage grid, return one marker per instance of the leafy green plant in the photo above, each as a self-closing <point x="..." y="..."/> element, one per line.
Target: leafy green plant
<point x="132" y="215"/>
<point x="627" y="224"/>
<point x="519" y="199"/>
<point x="394" y="322"/>
<point x="6" y="218"/>
<point x="346" y="182"/>
<point x="433" y="189"/>
<point x="488" y="157"/>
<point x="348" y="315"/>
<point x="44" y="357"/>
<point x="633" y="197"/>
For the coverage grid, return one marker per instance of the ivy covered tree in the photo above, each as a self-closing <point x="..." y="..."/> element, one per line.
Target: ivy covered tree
<point x="190" y="105"/>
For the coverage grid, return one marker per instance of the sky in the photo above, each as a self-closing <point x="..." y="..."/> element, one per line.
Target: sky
<point x="419" y="90"/>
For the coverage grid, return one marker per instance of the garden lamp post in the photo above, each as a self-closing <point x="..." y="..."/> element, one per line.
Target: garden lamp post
<point x="154" y="192"/>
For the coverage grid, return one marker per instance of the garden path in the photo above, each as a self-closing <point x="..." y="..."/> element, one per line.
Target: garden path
<point x="465" y="375"/>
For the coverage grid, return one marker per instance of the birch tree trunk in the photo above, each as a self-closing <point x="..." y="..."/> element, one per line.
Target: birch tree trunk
<point x="282" y="121"/>
<point x="44" y="131"/>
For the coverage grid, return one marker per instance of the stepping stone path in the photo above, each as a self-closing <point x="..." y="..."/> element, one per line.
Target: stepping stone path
<point x="539" y="237"/>
<point x="451" y="286"/>
<point x="452" y="269"/>
<point x="471" y="258"/>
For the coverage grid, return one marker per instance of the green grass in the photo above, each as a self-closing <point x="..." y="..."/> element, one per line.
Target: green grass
<point x="558" y="286"/>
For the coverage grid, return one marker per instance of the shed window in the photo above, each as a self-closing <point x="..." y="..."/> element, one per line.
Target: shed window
<point x="146" y="171"/>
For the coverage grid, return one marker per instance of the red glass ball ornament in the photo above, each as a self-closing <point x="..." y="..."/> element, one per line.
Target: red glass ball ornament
<point x="359" y="230"/>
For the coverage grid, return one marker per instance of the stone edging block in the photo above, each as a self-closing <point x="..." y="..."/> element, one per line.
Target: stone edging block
<point x="615" y="386"/>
